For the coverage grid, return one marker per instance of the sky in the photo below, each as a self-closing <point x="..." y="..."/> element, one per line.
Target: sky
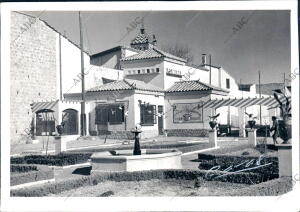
<point x="242" y="42"/>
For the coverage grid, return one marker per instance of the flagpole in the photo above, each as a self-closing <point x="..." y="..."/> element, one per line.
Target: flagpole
<point x="82" y="115"/>
<point x="259" y="87"/>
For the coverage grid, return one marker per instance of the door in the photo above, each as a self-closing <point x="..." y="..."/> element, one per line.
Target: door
<point x="160" y="119"/>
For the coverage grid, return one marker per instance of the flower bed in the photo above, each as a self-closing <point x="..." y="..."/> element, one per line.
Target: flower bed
<point x="62" y="159"/>
<point x="58" y="187"/>
<point x="22" y="174"/>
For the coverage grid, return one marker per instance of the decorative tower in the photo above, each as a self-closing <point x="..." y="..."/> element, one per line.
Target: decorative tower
<point x="143" y="41"/>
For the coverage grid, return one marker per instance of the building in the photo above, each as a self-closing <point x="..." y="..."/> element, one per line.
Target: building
<point x="125" y="86"/>
<point x="44" y="65"/>
<point x="159" y="91"/>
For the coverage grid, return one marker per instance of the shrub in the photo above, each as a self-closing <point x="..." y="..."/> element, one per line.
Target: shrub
<point x="62" y="159"/>
<point x="94" y="179"/>
<point x="22" y="168"/>
<point x="270" y="188"/>
<point x="208" y="161"/>
<point x="42" y="173"/>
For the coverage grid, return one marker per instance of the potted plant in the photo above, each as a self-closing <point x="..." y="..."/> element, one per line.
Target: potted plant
<point x="60" y="128"/>
<point x="285" y="128"/>
<point x="251" y="120"/>
<point x="213" y="121"/>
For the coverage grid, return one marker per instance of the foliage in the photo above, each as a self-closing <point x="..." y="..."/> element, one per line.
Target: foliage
<point x="62" y="159"/>
<point x="285" y="109"/>
<point x="94" y="179"/>
<point x="22" y="168"/>
<point x="270" y="188"/>
<point x="179" y="50"/>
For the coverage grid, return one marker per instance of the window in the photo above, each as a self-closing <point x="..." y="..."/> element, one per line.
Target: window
<point x="148" y="70"/>
<point x="152" y="70"/>
<point x="114" y="114"/>
<point x="148" y="114"/>
<point x="139" y="71"/>
<point x="227" y="83"/>
<point x="157" y="70"/>
<point x="101" y="114"/>
<point x="129" y="72"/>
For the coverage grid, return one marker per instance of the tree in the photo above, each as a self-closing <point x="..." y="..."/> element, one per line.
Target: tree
<point x="179" y="50"/>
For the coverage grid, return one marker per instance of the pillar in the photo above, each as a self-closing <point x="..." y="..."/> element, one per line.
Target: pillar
<point x="285" y="159"/>
<point x="60" y="144"/>
<point x="212" y="138"/>
<point x="242" y="122"/>
<point x="252" y="137"/>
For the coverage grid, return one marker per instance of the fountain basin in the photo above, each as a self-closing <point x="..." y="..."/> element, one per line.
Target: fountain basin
<point x="124" y="160"/>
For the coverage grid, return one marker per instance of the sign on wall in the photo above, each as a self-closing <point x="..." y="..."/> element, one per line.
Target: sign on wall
<point x="188" y="112"/>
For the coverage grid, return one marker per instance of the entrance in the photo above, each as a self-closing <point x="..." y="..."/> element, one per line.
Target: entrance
<point x="70" y="120"/>
<point x="160" y="120"/>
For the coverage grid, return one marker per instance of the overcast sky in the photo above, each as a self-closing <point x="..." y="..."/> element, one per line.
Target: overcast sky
<point x="262" y="42"/>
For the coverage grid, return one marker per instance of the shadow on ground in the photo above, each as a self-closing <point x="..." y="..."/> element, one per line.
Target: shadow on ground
<point x="83" y="170"/>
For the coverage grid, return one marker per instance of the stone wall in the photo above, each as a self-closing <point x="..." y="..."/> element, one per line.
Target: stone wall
<point x="33" y="70"/>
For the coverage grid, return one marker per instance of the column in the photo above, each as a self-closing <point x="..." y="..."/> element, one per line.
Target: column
<point x="285" y="159"/>
<point x="242" y="122"/>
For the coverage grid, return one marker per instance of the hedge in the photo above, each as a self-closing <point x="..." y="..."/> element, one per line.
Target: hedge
<point x="62" y="159"/>
<point x="208" y="161"/>
<point x="42" y="173"/>
<point x="270" y="188"/>
<point x="20" y="168"/>
<point x="94" y="179"/>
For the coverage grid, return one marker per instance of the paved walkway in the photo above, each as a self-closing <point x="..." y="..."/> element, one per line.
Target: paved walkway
<point x="90" y="142"/>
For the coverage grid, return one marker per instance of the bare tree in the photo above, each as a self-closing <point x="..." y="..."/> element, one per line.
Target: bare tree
<point x="179" y="50"/>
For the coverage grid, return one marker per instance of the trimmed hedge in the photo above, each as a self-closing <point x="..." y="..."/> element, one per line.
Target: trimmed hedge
<point x="62" y="159"/>
<point x="270" y="188"/>
<point x="42" y="173"/>
<point x="20" y="168"/>
<point x="225" y="161"/>
<point x="94" y="179"/>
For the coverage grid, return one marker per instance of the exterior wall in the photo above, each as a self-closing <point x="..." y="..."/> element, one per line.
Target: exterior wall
<point x="33" y="63"/>
<point x="186" y="98"/>
<point x="156" y="79"/>
<point x="170" y="80"/>
<point x="109" y="60"/>
<point x="147" y="131"/>
<point x="128" y="53"/>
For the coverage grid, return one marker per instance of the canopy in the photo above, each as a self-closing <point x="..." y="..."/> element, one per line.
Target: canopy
<point x="245" y="102"/>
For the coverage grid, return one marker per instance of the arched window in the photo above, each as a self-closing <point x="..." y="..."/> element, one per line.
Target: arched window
<point x="70" y="121"/>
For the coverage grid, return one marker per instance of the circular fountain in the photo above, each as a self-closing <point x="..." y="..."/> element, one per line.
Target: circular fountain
<point x="138" y="160"/>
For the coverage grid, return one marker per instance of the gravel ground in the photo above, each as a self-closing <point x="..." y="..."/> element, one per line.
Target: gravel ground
<point x="152" y="188"/>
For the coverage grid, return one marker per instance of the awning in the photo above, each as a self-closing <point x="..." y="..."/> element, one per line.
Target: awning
<point x="46" y="106"/>
<point x="245" y="102"/>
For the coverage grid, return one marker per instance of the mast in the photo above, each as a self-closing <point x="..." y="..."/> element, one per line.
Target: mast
<point x="259" y="87"/>
<point x="82" y="115"/>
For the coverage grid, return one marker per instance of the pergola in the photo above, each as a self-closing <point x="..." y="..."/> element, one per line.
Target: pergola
<point x="242" y="104"/>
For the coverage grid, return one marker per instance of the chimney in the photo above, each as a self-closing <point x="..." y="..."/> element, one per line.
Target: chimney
<point x="154" y="41"/>
<point x="143" y="29"/>
<point x="203" y="59"/>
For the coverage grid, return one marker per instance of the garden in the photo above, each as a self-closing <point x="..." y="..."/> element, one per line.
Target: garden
<point x="230" y="170"/>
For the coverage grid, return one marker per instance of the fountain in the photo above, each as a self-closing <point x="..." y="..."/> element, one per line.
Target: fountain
<point x="138" y="160"/>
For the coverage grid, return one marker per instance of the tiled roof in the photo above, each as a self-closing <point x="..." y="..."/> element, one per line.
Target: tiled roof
<point x="152" y="53"/>
<point x="193" y="85"/>
<point x="141" y="38"/>
<point x="126" y="84"/>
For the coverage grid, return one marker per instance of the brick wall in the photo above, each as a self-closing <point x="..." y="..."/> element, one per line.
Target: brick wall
<point x="33" y="70"/>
